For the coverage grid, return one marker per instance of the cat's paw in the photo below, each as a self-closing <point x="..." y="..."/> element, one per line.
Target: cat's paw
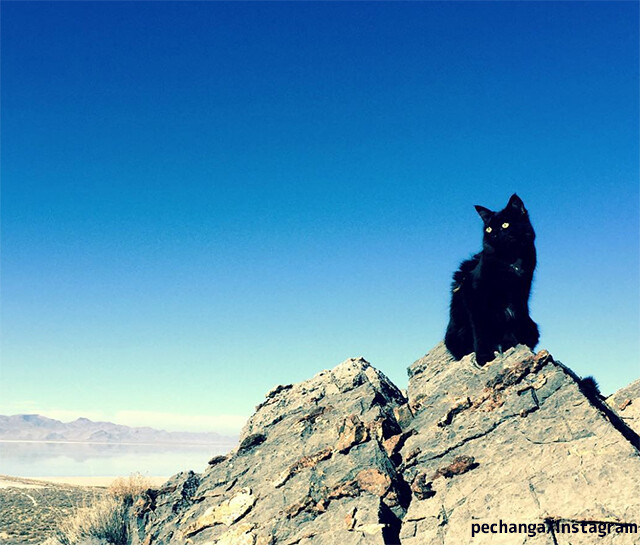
<point x="471" y="358"/>
<point x="482" y="358"/>
<point x="531" y="335"/>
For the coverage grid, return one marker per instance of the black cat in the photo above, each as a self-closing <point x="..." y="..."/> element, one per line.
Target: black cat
<point x="490" y="292"/>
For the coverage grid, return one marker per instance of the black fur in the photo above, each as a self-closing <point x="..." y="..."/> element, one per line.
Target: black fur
<point x="490" y="293"/>
<point x="590" y="388"/>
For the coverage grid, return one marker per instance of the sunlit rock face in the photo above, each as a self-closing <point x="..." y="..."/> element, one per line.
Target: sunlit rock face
<point x="345" y="458"/>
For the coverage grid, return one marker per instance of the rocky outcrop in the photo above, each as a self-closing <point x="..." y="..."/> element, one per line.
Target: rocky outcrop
<point x="312" y="467"/>
<point x="626" y="403"/>
<point x="344" y="458"/>
<point x="516" y="441"/>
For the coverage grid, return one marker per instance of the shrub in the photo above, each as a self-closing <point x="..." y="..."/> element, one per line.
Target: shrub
<point x="127" y="488"/>
<point x="105" y="519"/>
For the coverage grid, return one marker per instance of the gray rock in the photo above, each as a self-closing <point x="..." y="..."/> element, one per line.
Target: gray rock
<point x="515" y="441"/>
<point x="626" y="403"/>
<point x="345" y="458"/>
<point x="311" y="469"/>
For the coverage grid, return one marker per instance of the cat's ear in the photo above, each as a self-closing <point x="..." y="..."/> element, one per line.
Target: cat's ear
<point x="485" y="213"/>
<point x="516" y="204"/>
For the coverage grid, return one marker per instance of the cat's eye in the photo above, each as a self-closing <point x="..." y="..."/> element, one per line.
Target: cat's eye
<point x="488" y="229"/>
<point x="505" y="225"/>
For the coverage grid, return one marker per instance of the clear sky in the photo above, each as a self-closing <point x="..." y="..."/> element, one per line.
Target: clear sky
<point x="203" y="200"/>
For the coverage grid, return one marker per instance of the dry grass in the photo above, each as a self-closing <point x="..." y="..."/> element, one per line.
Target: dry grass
<point x="105" y="520"/>
<point x="127" y="488"/>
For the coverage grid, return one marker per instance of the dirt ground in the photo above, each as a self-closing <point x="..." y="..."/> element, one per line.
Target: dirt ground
<point x="30" y="510"/>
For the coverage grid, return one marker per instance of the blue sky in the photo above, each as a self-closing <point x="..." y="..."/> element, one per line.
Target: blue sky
<point x="202" y="200"/>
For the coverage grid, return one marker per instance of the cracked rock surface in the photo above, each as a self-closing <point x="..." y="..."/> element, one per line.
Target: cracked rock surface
<point x="626" y="403"/>
<point x="528" y="445"/>
<point x="344" y="458"/>
<point x="311" y="469"/>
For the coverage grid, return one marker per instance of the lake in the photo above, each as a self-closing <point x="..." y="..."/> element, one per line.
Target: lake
<point x="50" y="459"/>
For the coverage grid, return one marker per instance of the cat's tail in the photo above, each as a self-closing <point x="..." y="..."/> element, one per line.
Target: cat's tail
<point x="590" y="388"/>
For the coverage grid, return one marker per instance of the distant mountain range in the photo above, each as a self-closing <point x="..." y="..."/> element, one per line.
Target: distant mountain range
<point x="33" y="427"/>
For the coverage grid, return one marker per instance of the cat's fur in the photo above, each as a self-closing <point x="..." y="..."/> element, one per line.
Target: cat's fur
<point x="489" y="309"/>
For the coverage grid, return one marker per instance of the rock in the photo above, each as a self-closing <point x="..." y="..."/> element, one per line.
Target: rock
<point x="239" y="535"/>
<point x="374" y="481"/>
<point x="227" y="512"/>
<point x="250" y="442"/>
<point x="171" y="500"/>
<point x="421" y="486"/>
<point x="626" y="403"/>
<point x="393" y="444"/>
<point x="310" y="455"/>
<point x="303" y="463"/>
<point x="352" y="432"/>
<point x="459" y="465"/>
<point x="280" y="388"/>
<point x="403" y="415"/>
<point x="217" y="459"/>
<point x="346" y="458"/>
<point x="527" y="447"/>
